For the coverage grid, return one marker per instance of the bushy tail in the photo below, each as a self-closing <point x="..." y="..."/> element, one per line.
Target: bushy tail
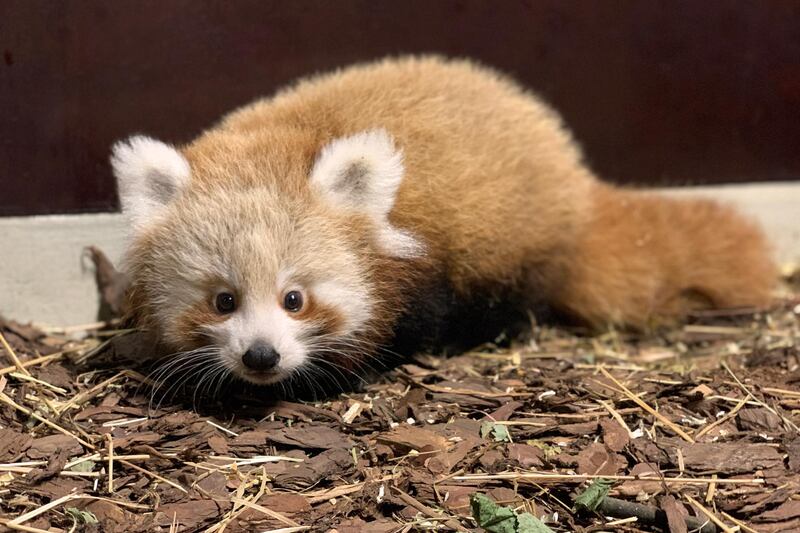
<point x="643" y="259"/>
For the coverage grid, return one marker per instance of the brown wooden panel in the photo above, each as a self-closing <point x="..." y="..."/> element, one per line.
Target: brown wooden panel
<point x="657" y="92"/>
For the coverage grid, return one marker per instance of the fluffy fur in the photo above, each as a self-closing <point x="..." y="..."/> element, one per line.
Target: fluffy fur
<point x="404" y="199"/>
<point x="149" y="175"/>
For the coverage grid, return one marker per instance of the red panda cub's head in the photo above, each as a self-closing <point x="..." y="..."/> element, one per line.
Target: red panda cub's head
<point x="260" y="266"/>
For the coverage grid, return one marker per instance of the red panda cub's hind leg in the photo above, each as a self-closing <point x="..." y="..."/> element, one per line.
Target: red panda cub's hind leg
<point x="642" y="259"/>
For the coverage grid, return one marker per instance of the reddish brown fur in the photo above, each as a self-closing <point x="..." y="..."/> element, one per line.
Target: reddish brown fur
<point x="495" y="189"/>
<point x="495" y="185"/>
<point x="325" y="318"/>
<point x="642" y="259"/>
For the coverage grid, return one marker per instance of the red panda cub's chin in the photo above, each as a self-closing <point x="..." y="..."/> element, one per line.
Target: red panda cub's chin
<point x="392" y="203"/>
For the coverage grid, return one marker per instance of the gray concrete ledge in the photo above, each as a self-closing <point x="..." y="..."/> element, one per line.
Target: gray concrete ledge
<point x="44" y="279"/>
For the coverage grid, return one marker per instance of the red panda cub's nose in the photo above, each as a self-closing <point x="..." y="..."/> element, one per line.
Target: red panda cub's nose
<point x="261" y="357"/>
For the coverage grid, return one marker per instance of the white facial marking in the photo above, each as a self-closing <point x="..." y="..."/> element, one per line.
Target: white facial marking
<point x="261" y="322"/>
<point x="267" y="322"/>
<point x="352" y="300"/>
<point x="363" y="172"/>
<point x="150" y="174"/>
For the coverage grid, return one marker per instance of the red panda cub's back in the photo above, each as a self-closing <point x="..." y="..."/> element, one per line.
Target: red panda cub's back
<point x="391" y="204"/>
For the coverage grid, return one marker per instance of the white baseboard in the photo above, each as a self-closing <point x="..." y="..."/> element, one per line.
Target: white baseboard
<point x="44" y="279"/>
<point x="44" y="276"/>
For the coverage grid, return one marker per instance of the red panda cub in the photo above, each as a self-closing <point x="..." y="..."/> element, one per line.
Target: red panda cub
<point x="400" y="203"/>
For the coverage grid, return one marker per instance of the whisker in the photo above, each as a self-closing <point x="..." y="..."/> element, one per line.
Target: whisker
<point x="183" y="367"/>
<point x="206" y="380"/>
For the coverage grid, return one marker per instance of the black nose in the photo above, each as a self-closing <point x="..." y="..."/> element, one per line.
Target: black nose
<point x="261" y="357"/>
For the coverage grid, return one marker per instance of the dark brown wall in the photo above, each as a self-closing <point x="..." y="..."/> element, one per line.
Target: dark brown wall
<point x="657" y="92"/>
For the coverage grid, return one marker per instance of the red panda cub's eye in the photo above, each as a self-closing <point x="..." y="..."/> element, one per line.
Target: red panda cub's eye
<point x="225" y="303"/>
<point x="293" y="301"/>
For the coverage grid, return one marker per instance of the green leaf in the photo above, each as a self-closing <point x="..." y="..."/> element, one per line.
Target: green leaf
<point x="593" y="496"/>
<point x="83" y="466"/>
<point x="496" y="519"/>
<point x="491" y="516"/>
<point x="498" y="431"/>
<point x="501" y="433"/>
<point x="527" y="523"/>
<point x="548" y="449"/>
<point x="81" y="517"/>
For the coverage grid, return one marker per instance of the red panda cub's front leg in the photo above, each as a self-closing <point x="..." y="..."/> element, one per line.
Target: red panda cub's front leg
<point x="642" y="259"/>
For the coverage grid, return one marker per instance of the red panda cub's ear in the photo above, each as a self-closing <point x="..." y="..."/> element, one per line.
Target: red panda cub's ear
<point x="362" y="173"/>
<point x="150" y="174"/>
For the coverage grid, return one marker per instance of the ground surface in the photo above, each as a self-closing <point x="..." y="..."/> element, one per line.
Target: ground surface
<point x="699" y="421"/>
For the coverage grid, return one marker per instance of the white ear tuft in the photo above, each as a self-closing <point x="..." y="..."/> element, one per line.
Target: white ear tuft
<point x="149" y="174"/>
<point x="363" y="172"/>
<point x="399" y="243"/>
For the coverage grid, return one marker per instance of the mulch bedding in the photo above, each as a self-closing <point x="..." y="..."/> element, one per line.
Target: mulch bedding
<point x="696" y="429"/>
